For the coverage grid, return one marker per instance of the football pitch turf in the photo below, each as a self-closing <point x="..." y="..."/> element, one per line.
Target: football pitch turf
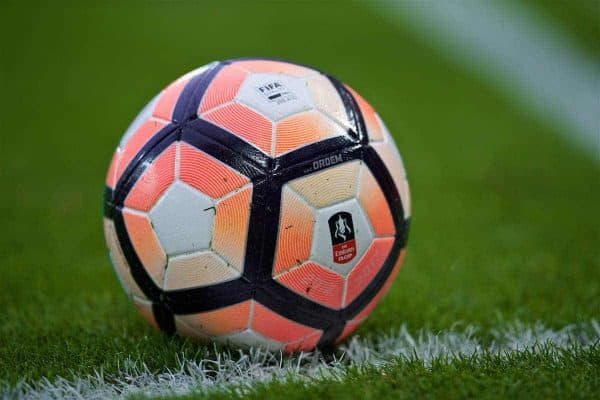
<point x="505" y="224"/>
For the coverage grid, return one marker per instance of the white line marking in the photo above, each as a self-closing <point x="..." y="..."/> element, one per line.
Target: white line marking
<point x="240" y="370"/>
<point x="520" y="53"/>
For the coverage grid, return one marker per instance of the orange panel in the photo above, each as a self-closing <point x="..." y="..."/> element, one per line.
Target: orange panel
<point x="386" y="286"/>
<point x="274" y="326"/>
<point x="231" y="227"/>
<point x="168" y="99"/>
<point x="372" y="200"/>
<point x="145" y="309"/>
<point x="225" y="320"/>
<point x="295" y="232"/>
<point x="146" y="244"/>
<point x="223" y="88"/>
<point x="244" y="122"/>
<point x="155" y="180"/>
<point x="348" y="329"/>
<point x="111" y="175"/>
<point x="119" y="262"/>
<point x="206" y="174"/>
<point x="391" y="158"/>
<point x="144" y="133"/>
<point x="316" y="283"/>
<point x="302" y="129"/>
<point x="276" y="67"/>
<point x="306" y="344"/>
<point x="369" y="265"/>
<point x="371" y="121"/>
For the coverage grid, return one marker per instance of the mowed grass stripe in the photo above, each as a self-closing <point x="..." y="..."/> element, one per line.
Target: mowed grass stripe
<point x="504" y="208"/>
<point x="579" y="19"/>
<point x="250" y="372"/>
<point x="531" y="61"/>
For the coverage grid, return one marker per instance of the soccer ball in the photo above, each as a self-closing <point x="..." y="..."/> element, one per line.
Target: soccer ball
<point x="257" y="202"/>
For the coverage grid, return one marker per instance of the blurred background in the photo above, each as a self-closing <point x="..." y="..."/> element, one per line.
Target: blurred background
<point x="494" y="107"/>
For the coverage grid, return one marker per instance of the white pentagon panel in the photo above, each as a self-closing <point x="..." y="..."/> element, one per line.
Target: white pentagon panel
<point x="183" y="220"/>
<point x="249" y="338"/>
<point x="275" y="95"/>
<point x="330" y="185"/>
<point x="327" y="99"/>
<point x="197" y="269"/>
<point x="325" y="252"/>
<point x="187" y="330"/>
<point x="389" y="140"/>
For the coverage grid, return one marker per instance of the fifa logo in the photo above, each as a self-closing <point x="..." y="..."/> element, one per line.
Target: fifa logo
<point x="276" y="92"/>
<point x="343" y="243"/>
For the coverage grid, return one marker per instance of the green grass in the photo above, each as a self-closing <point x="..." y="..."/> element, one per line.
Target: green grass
<point x="570" y="375"/>
<point x="505" y="223"/>
<point x="579" y="19"/>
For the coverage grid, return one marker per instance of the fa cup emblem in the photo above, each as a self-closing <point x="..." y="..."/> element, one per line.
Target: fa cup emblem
<point x="343" y="243"/>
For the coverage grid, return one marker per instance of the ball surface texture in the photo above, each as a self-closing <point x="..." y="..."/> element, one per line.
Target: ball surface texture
<point x="257" y="202"/>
